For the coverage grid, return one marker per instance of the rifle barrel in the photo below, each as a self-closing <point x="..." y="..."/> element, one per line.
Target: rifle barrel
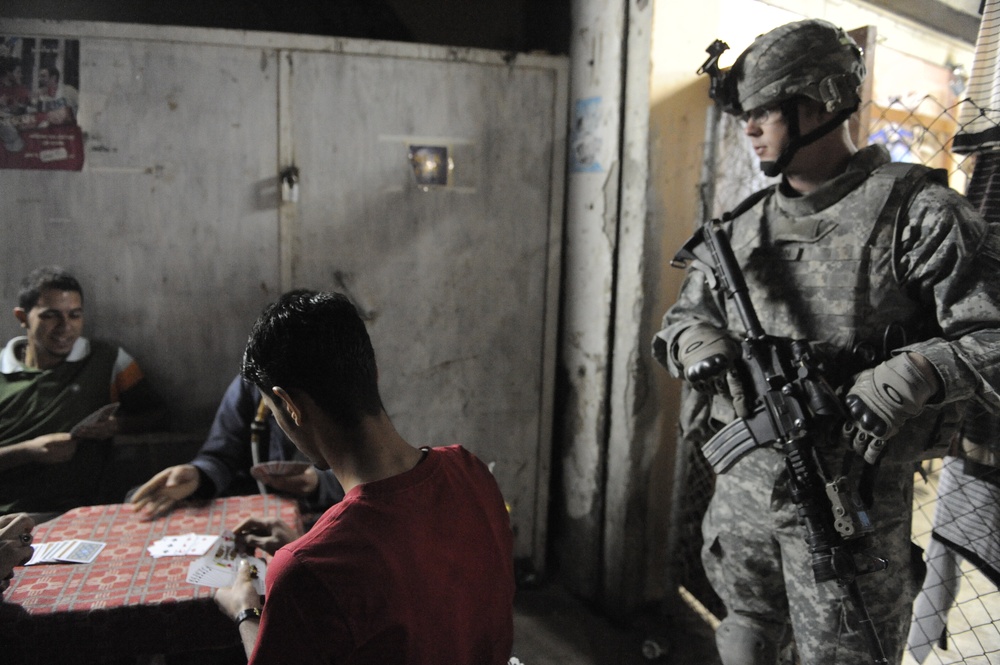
<point x="732" y="276"/>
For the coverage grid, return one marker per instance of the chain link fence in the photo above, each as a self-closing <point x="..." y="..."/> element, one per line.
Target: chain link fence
<point x="919" y="130"/>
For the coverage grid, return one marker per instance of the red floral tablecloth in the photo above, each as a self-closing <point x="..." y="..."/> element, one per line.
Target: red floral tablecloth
<point x="125" y="603"/>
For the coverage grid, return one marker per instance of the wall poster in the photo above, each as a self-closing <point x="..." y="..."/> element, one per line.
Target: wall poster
<point x="39" y="100"/>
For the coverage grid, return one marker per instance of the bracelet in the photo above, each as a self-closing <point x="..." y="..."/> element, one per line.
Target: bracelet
<point x="249" y="613"/>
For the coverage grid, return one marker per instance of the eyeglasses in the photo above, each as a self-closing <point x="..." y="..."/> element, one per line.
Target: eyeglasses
<point x="762" y="115"/>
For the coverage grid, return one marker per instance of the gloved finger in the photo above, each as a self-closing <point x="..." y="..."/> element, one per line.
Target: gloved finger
<point x="874" y="450"/>
<point x="735" y="388"/>
<point x="868" y="446"/>
<point x="706" y="387"/>
<point x="860" y="441"/>
<point x="709" y="368"/>
<point x="865" y="417"/>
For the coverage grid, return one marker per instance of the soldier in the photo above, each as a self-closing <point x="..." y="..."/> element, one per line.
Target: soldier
<point x="891" y="278"/>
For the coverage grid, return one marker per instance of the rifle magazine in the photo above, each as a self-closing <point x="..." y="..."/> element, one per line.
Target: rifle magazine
<point x="729" y="445"/>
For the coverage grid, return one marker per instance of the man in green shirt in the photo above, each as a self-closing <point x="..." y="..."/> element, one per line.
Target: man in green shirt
<point x="50" y="379"/>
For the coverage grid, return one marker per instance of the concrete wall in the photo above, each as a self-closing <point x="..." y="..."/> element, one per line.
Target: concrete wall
<point x="177" y="229"/>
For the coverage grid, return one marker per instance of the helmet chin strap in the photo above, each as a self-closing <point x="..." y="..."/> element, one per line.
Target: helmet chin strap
<point x="790" y="110"/>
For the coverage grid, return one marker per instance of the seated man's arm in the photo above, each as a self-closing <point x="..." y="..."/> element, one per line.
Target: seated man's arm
<point x="210" y="473"/>
<point x="235" y="599"/>
<point x="45" y="449"/>
<point x="226" y="451"/>
<point x="299" y="623"/>
<point x="158" y="495"/>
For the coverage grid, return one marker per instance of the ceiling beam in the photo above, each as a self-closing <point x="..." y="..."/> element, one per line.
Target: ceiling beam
<point x="935" y="14"/>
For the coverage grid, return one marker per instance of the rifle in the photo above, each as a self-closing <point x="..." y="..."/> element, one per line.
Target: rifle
<point x="790" y="404"/>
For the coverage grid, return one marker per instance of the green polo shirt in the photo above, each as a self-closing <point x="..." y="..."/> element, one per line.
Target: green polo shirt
<point x="36" y="402"/>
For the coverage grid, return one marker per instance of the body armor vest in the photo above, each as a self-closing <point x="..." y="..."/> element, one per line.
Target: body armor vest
<point x="832" y="278"/>
<point x="829" y="277"/>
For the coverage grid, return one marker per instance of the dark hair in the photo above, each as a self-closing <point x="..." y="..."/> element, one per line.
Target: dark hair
<point x="317" y="343"/>
<point x="45" y="277"/>
<point x="51" y="69"/>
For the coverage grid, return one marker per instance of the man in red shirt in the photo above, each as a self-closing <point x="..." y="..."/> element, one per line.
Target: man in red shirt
<point x="415" y="564"/>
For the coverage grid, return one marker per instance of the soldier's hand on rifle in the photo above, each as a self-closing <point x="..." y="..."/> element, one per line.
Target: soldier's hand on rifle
<point x="886" y="396"/>
<point x="706" y="353"/>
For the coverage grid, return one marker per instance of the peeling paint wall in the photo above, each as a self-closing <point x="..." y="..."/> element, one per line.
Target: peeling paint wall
<point x="588" y="275"/>
<point x="632" y="433"/>
<point x="604" y="447"/>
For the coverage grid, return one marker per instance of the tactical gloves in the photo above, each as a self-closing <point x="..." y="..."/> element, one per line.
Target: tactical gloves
<point x="886" y="396"/>
<point x="706" y="355"/>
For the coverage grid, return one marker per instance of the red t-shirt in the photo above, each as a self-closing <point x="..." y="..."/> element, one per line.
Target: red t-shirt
<point x="413" y="569"/>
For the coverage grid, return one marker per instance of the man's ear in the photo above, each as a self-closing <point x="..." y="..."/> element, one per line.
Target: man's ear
<point x="290" y="404"/>
<point x="22" y="316"/>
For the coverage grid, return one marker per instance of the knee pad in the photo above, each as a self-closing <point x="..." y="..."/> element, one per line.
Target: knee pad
<point x="742" y="641"/>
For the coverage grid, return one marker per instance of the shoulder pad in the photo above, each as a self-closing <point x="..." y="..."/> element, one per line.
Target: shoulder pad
<point x="913" y="174"/>
<point x="909" y="180"/>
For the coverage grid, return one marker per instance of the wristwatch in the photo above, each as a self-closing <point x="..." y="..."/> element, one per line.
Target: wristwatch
<point x="249" y="613"/>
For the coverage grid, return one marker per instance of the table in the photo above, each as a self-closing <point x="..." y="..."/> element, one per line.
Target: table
<point x="125" y="603"/>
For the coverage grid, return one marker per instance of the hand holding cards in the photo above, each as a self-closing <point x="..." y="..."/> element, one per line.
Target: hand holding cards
<point x="218" y="567"/>
<point x="99" y="425"/>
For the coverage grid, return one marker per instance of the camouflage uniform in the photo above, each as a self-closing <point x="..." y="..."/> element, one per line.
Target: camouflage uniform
<point x="832" y="268"/>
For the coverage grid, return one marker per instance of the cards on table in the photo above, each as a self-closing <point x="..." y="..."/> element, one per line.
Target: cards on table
<point x="65" y="551"/>
<point x="218" y="567"/>
<point x="188" y="544"/>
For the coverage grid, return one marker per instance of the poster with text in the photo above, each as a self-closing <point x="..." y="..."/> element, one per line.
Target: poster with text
<point x="39" y="101"/>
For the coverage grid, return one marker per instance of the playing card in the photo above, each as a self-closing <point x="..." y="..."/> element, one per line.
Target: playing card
<point x="95" y="426"/>
<point x="65" y="551"/>
<point x="218" y="567"/>
<point x="170" y="545"/>
<point x="200" y="545"/>
<point x="58" y="550"/>
<point x="188" y="544"/>
<point x="205" y="574"/>
<point x="264" y="470"/>
<point x="82" y="551"/>
<point x="38" y="554"/>
<point x="225" y="548"/>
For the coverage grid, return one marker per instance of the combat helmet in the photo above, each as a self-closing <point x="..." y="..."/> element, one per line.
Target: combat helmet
<point x="810" y="58"/>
